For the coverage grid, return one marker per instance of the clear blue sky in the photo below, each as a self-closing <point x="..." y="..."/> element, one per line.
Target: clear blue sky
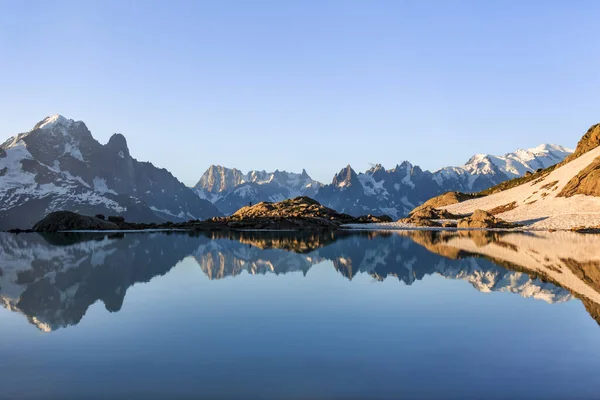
<point x="304" y="84"/>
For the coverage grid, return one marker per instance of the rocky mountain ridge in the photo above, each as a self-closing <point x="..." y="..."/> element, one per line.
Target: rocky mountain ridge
<point x="377" y="191"/>
<point x="230" y="189"/>
<point x="58" y="165"/>
<point x="397" y="191"/>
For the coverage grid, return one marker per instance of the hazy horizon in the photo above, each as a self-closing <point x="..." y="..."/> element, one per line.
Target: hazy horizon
<point x="313" y="85"/>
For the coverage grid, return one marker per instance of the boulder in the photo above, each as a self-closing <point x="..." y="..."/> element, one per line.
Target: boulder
<point x="429" y="212"/>
<point x="586" y="182"/>
<point x="70" y="221"/>
<point x="481" y="219"/>
<point x="445" y="199"/>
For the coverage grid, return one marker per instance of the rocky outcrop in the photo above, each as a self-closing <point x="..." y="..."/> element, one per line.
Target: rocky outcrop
<point x="297" y="213"/>
<point x="586" y="182"/>
<point x="445" y="199"/>
<point x="431" y="213"/>
<point x="427" y="216"/>
<point x="588" y="142"/>
<point x="70" y="221"/>
<point x="300" y="213"/>
<point x="483" y="220"/>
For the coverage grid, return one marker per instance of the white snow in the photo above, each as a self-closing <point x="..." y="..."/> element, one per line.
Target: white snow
<point x="75" y="178"/>
<point x="370" y="186"/>
<point x="181" y="214"/>
<point x="73" y="151"/>
<point x="101" y="187"/>
<point x="518" y="163"/>
<point x="245" y="191"/>
<point x="512" y="164"/>
<point x="53" y="120"/>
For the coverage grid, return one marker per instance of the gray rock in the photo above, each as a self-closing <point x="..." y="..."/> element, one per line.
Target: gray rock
<point x="70" y="221"/>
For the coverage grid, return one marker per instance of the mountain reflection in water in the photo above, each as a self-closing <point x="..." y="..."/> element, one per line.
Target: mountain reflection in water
<point x="54" y="279"/>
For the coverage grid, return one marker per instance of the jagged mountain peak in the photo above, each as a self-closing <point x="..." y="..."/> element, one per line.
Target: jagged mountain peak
<point x="231" y="189"/>
<point x="52" y="121"/>
<point x="345" y="177"/>
<point x="375" y="170"/>
<point x="118" y="144"/>
<point x="404" y="165"/>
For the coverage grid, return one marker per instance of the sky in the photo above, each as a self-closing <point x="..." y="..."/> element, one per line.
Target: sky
<point x="304" y="84"/>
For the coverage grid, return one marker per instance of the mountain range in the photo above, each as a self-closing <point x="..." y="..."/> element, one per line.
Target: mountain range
<point x="394" y="192"/>
<point x="58" y="165"/>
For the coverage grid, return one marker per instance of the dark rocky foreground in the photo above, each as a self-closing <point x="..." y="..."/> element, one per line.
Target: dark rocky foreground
<point x="300" y="213"/>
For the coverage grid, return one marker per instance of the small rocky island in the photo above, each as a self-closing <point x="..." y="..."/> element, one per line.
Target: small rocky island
<point x="300" y="213"/>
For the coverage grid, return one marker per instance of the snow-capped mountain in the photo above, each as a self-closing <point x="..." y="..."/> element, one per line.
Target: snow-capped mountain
<point x="397" y="191"/>
<point x="230" y="189"/>
<point x="58" y="165"/>
<point x="394" y="192"/>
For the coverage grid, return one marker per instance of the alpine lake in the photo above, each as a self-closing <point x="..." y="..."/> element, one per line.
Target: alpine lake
<point x="300" y="315"/>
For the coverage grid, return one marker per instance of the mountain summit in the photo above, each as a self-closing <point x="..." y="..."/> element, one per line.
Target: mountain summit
<point x="230" y="189"/>
<point x="58" y="165"/>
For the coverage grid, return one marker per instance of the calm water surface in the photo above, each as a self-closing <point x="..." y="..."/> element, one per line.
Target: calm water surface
<point x="289" y="315"/>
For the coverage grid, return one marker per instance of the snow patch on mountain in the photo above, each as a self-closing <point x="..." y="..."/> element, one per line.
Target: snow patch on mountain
<point x="101" y="187"/>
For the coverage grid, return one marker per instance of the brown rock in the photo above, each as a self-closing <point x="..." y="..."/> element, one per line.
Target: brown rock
<point x="588" y="142"/>
<point x="586" y="182"/>
<point x="431" y="213"/>
<point x="445" y="199"/>
<point x="481" y="219"/>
